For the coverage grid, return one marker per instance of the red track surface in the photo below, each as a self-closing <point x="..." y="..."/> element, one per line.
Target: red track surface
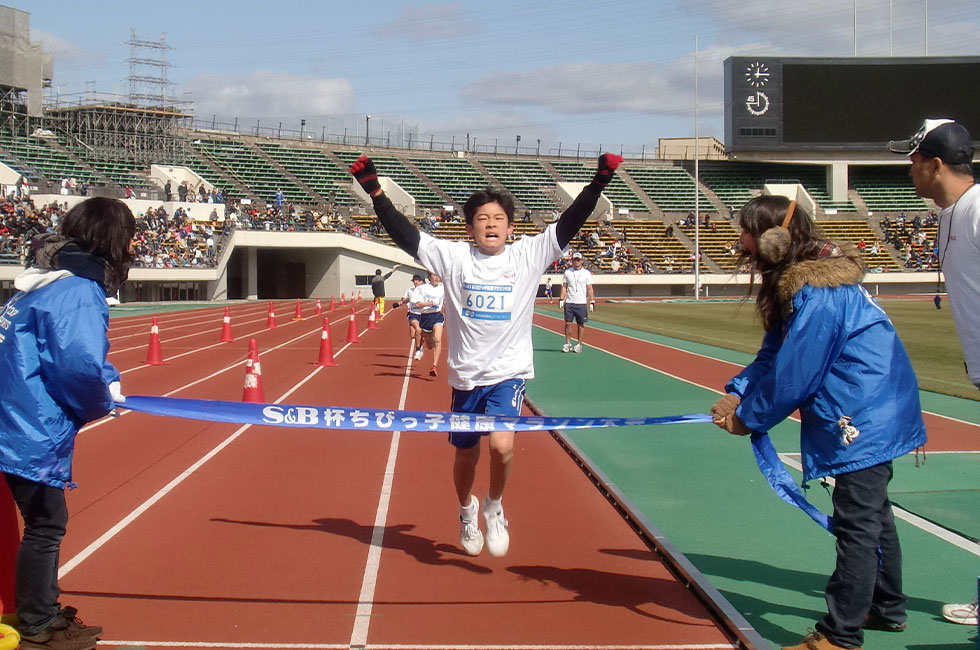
<point x="269" y="541"/>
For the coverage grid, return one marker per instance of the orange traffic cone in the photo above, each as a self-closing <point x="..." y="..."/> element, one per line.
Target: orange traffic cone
<point x="372" y="318"/>
<point x="270" y="323"/>
<point x="319" y="308"/>
<point x="332" y="306"/>
<point x="154" y="357"/>
<point x="326" y="347"/>
<point x="253" y="375"/>
<point x="358" y="295"/>
<point x="299" y="311"/>
<point x="343" y="300"/>
<point x="352" y="327"/>
<point x="226" y="336"/>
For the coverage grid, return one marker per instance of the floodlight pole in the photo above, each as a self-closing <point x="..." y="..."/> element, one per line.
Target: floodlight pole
<point x="697" y="193"/>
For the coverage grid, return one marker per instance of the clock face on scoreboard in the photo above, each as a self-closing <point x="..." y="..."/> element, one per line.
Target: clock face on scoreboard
<point x="757" y="74"/>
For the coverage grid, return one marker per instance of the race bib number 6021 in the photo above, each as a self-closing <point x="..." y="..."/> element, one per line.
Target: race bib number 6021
<point x="487" y="301"/>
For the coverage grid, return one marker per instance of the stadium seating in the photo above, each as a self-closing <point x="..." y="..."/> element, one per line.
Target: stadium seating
<point x="251" y="170"/>
<point x="716" y="242"/>
<point x="52" y="163"/>
<point x="315" y="168"/>
<point x="665" y="252"/>
<point x="398" y="171"/>
<point x="455" y="177"/>
<point x="618" y="191"/>
<point x="524" y="179"/>
<point x="671" y="188"/>
<point x="886" y="189"/>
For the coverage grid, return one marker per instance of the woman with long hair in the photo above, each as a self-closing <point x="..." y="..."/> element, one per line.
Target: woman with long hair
<point x="53" y="348"/>
<point x="830" y="351"/>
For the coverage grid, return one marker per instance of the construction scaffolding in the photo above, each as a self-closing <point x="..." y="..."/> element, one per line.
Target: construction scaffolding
<point x="117" y="131"/>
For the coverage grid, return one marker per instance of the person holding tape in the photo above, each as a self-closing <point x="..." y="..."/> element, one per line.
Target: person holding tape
<point x="53" y="348"/>
<point x="830" y="351"/>
<point x="490" y="287"/>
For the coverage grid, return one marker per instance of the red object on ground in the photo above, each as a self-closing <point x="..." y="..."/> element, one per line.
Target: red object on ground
<point x="326" y="347"/>
<point x="332" y="306"/>
<point x="299" y="311"/>
<point x="9" y="544"/>
<point x="226" y="336"/>
<point x="253" y="375"/>
<point x="372" y="318"/>
<point x="319" y="308"/>
<point x="270" y="323"/>
<point x="352" y="327"/>
<point x="154" y="356"/>
<point x="343" y="300"/>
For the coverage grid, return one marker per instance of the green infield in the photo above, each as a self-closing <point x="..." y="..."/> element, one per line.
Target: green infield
<point x="928" y="333"/>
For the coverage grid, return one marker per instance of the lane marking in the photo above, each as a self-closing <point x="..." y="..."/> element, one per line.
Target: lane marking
<point x="162" y="492"/>
<point x="365" y="601"/>
<point x="423" y="646"/>
<point x="702" y="356"/>
<point x="915" y="520"/>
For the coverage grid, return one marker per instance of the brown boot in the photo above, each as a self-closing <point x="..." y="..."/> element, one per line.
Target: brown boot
<point x="70" y="614"/>
<point x="60" y="635"/>
<point x="817" y="641"/>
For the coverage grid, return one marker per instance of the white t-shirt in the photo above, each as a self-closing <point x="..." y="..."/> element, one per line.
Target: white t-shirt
<point x="489" y="305"/>
<point x="959" y="252"/>
<point x="576" y="283"/>
<point x="411" y="297"/>
<point x="433" y="294"/>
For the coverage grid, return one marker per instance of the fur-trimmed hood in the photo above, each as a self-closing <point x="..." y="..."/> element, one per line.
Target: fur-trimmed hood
<point x="841" y="269"/>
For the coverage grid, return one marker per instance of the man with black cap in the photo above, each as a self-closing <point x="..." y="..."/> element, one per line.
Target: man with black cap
<point x="942" y="156"/>
<point x="378" y="288"/>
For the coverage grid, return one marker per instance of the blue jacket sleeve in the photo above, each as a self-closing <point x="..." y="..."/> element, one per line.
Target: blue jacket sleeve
<point x="73" y="362"/>
<point x="741" y="383"/>
<point x="813" y="339"/>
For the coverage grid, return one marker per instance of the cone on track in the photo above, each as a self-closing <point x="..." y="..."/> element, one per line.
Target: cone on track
<point x="270" y="323"/>
<point x="299" y="311"/>
<point x="352" y="327"/>
<point x="343" y="300"/>
<point x="372" y="318"/>
<point x="253" y="376"/>
<point x="319" y="308"/>
<point x="326" y="347"/>
<point x="154" y="357"/>
<point x="358" y="295"/>
<point x="226" y="336"/>
<point x="332" y="306"/>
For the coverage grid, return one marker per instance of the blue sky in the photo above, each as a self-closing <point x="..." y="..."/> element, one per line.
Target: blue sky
<point x="615" y="73"/>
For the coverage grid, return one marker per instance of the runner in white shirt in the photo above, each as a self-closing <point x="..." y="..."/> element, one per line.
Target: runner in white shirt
<point x="428" y="300"/>
<point x="490" y="287"/>
<point x="576" y="291"/>
<point x="414" y="331"/>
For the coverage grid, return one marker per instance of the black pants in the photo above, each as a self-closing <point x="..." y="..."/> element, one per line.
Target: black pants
<point x="868" y="577"/>
<point x="36" y="589"/>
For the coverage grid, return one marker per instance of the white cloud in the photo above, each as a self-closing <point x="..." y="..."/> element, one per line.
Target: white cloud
<point x="579" y="88"/>
<point x="65" y="52"/>
<point x="429" y="22"/>
<point x="267" y="94"/>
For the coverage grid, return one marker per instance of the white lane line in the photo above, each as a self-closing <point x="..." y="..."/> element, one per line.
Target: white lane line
<point x="702" y="356"/>
<point x="162" y="492"/>
<point x="365" y="601"/>
<point x="420" y="646"/>
<point x="918" y="522"/>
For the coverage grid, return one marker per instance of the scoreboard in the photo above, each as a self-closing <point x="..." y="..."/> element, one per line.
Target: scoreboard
<point x="843" y="104"/>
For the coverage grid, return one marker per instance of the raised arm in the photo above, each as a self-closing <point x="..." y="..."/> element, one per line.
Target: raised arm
<point x="573" y="218"/>
<point x="399" y="227"/>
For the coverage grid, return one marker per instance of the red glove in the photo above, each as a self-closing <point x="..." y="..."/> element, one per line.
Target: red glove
<point x="608" y="162"/>
<point x="365" y="173"/>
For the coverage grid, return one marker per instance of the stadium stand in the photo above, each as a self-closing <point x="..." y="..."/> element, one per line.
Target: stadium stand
<point x="315" y="168"/>
<point x="246" y="166"/>
<point x="664" y="251"/>
<point x="455" y="177"/>
<point x="398" y="171"/>
<point x="671" y="188"/>
<point x="524" y="179"/>
<point x="621" y="194"/>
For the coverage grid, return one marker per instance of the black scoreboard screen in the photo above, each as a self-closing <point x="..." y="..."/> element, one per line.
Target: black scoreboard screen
<point x="774" y="103"/>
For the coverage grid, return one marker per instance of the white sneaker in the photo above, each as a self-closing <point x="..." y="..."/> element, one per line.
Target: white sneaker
<point x="567" y="347"/>
<point x="498" y="539"/>
<point x="965" y="614"/>
<point x="418" y="354"/>
<point x="469" y="530"/>
<point x="578" y="347"/>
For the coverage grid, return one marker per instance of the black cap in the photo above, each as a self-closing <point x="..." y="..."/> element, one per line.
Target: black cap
<point x="940" y="138"/>
<point x="417" y="278"/>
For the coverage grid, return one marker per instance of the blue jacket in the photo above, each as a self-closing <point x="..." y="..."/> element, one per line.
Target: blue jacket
<point x="837" y="355"/>
<point x="53" y="350"/>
